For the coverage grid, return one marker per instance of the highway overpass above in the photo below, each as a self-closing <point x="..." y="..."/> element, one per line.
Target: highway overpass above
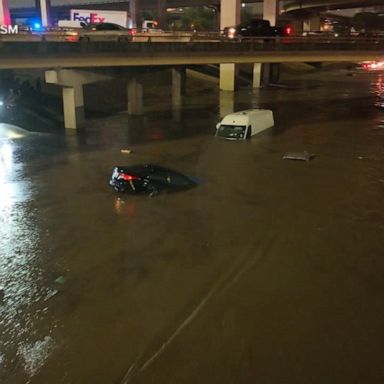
<point x="51" y="55"/>
<point x="71" y="66"/>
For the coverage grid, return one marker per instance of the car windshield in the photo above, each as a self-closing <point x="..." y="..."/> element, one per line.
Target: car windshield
<point x="231" y="131"/>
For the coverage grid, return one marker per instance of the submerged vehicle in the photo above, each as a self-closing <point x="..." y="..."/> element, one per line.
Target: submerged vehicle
<point x="244" y="124"/>
<point x="149" y="179"/>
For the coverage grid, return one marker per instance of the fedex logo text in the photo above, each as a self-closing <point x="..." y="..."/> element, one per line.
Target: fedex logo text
<point x="93" y="18"/>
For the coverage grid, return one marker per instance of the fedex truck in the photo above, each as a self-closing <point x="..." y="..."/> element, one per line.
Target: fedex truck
<point x="89" y="16"/>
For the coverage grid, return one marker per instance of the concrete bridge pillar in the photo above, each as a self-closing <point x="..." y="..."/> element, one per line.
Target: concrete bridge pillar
<point x="44" y="7"/>
<point x="135" y="96"/>
<point x="73" y="102"/>
<point x="178" y="85"/>
<point x="312" y="24"/>
<point x="133" y="14"/>
<point x="228" y="76"/>
<point x="271" y="10"/>
<point x="256" y="81"/>
<point x="72" y="82"/>
<point x="5" y="17"/>
<point x="229" y="15"/>
<point x="162" y="13"/>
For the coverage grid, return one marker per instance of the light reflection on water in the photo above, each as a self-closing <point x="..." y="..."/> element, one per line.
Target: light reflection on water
<point x="19" y="271"/>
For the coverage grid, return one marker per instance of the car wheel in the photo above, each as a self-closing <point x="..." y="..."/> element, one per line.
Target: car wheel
<point x="84" y="40"/>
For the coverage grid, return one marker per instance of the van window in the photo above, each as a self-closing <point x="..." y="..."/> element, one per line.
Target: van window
<point x="231" y="131"/>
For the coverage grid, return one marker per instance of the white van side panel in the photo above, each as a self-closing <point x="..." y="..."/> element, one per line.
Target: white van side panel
<point x="261" y="120"/>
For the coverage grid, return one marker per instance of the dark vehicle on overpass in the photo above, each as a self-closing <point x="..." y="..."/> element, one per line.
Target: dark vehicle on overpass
<point x="105" y="32"/>
<point x="149" y="179"/>
<point x="255" y="28"/>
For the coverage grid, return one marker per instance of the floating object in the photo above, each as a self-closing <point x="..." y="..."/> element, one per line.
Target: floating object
<point x="60" y="280"/>
<point x="303" y="156"/>
<point x="126" y="151"/>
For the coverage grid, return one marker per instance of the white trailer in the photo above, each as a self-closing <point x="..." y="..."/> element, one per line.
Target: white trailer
<point x="92" y="16"/>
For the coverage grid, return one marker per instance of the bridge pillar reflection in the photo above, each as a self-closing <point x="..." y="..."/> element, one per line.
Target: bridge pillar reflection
<point x="5" y="17"/>
<point x="226" y="103"/>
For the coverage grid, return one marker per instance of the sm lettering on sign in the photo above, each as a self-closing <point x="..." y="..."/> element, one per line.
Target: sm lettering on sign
<point x="9" y="29"/>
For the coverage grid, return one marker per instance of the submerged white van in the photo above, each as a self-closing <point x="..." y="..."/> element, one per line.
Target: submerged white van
<point x="244" y="124"/>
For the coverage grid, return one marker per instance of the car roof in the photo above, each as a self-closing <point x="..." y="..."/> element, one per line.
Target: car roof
<point x="138" y="168"/>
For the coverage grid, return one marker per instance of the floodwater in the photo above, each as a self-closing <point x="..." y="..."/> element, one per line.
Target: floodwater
<point x="270" y="271"/>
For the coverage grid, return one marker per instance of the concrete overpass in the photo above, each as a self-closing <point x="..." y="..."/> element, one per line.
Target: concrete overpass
<point x="48" y="55"/>
<point x="71" y="66"/>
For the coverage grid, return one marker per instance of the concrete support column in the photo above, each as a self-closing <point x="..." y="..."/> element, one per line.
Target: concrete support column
<point x="229" y="13"/>
<point x="228" y="77"/>
<point x="271" y="10"/>
<point x="270" y="73"/>
<point x="312" y="24"/>
<point x="256" y="81"/>
<point x="73" y="102"/>
<point x="162" y="13"/>
<point x="5" y="17"/>
<point x="178" y="85"/>
<point x="135" y="96"/>
<point x="44" y="7"/>
<point x="132" y="12"/>
<point x="72" y="82"/>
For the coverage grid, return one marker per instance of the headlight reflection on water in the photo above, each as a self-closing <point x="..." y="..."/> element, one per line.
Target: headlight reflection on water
<point x="23" y="305"/>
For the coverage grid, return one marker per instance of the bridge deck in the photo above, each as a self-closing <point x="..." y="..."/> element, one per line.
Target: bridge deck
<point x="53" y="55"/>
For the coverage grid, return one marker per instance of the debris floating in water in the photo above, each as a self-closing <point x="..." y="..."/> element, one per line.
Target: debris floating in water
<point x="60" y="280"/>
<point x="126" y="151"/>
<point x="303" y="156"/>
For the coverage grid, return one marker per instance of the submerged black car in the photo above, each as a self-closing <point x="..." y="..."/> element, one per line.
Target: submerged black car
<point x="149" y="179"/>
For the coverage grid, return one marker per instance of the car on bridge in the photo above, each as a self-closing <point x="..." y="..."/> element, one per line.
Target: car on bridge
<point x="105" y="32"/>
<point x="255" y="28"/>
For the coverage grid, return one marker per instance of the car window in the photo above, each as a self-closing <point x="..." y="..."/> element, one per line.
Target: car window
<point x="110" y="27"/>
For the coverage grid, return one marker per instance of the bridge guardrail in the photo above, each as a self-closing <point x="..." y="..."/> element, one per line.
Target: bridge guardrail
<point x="17" y="48"/>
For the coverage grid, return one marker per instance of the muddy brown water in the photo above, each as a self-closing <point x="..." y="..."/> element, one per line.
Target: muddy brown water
<point x="270" y="271"/>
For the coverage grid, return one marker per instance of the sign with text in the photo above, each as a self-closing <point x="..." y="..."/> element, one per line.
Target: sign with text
<point x="9" y="29"/>
<point x="89" y="16"/>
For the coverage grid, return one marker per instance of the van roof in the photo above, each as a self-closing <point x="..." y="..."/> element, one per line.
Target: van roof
<point x="241" y="117"/>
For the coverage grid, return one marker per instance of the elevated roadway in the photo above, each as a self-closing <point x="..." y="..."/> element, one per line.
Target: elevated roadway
<point x="47" y="55"/>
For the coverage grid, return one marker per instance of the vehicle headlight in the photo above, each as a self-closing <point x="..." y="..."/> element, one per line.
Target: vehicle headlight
<point x="1" y="103"/>
<point x="232" y="31"/>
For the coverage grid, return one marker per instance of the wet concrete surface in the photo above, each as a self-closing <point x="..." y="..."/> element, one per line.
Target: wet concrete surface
<point x="270" y="271"/>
